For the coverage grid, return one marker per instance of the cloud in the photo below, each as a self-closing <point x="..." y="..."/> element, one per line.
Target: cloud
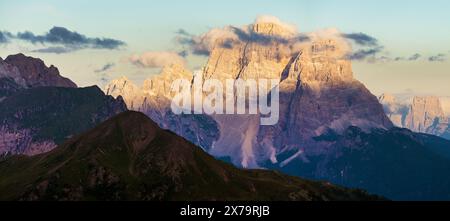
<point x="264" y="39"/>
<point x="368" y="48"/>
<point x="357" y="46"/>
<point x="156" y="59"/>
<point x="63" y="36"/>
<point x="63" y="40"/>
<point x="362" y="54"/>
<point x="106" y="67"/>
<point x="437" y="58"/>
<point x="4" y="37"/>
<point x="274" y="20"/>
<point x="183" y="53"/>
<point x="183" y="32"/>
<point x="361" y="39"/>
<point x="203" y="44"/>
<point x="414" y="57"/>
<point x="228" y="36"/>
<point x="55" y="50"/>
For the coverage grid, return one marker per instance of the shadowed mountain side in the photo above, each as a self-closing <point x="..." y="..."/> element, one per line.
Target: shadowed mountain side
<point x="36" y="120"/>
<point x="396" y="163"/>
<point x="130" y="158"/>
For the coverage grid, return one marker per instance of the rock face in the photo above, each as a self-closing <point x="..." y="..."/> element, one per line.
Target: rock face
<point x="40" y="109"/>
<point x="130" y="158"/>
<point x="154" y="99"/>
<point x="318" y="93"/>
<point x="35" y="73"/>
<point x="424" y="115"/>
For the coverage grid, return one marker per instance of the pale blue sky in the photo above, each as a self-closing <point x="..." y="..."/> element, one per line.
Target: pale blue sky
<point x="403" y="27"/>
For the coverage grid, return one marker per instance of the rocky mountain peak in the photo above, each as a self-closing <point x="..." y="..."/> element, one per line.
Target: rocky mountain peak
<point x="387" y="98"/>
<point x="36" y="73"/>
<point x="424" y="113"/>
<point x="318" y="93"/>
<point x="160" y="84"/>
<point x="12" y="72"/>
<point x="131" y="93"/>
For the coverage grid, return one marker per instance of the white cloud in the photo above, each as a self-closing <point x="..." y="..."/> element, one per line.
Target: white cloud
<point x="274" y="20"/>
<point x="204" y="43"/>
<point x="156" y="59"/>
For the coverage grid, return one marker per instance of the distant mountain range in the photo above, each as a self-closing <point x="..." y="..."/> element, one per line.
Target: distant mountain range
<point x="331" y="127"/>
<point x="130" y="158"/>
<point x="125" y="158"/>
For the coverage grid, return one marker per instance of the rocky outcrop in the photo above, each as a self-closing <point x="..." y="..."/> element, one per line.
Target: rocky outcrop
<point x="32" y="72"/>
<point x="12" y="72"/>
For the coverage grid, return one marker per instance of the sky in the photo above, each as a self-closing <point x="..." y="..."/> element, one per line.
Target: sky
<point x="403" y="28"/>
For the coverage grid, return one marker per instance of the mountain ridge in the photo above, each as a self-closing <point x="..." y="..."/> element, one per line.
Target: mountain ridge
<point x="129" y="157"/>
<point x="35" y="73"/>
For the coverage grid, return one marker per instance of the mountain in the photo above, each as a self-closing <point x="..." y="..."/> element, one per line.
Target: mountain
<point x="154" y="98"/>
<point x="35" y="120"/>
<point x="40" y="109"/>
<point x="35" y="73"/>
<point x="317" y="93"/>
<point x="331" y="127"/>
<point x="11" y="80"/>
<point x="424" y="114"/>
<point x="129" y="157"/>
<point x="395" y="163"/>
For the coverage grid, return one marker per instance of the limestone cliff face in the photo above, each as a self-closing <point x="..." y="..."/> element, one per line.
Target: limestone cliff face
<point x="425" y="112"/>
<point x="131" y="93"/>
<point x="318" y="94"/>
